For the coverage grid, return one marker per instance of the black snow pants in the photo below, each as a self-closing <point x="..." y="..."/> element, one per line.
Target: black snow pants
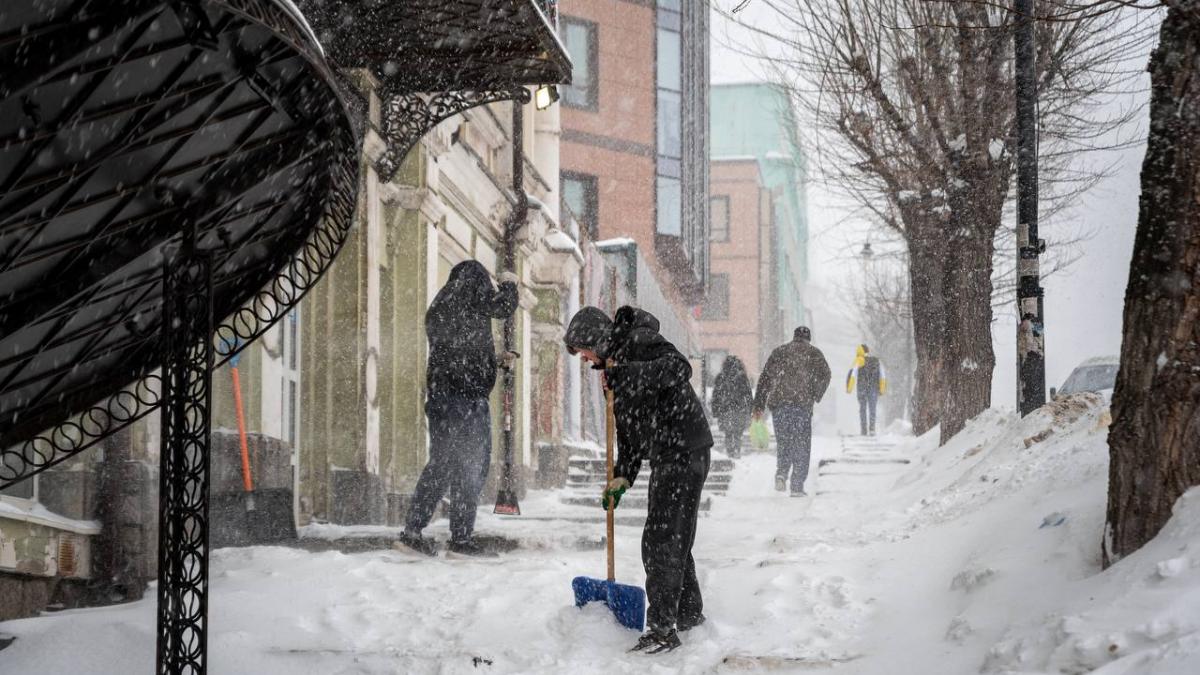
<point x="460" y="452"/>
<point x="672" y="589"/>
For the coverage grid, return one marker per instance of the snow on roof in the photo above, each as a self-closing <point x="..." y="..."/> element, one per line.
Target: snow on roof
<point x="616" y="242"/>
<point x="559" y="241"/>
<point x="1102" y="361"/>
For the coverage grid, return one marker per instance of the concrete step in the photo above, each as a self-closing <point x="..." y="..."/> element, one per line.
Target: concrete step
<point x="627" y="502"/>
<point x="857" y="461"/>
<point x="573" y="480"/>
<point x="718" y="465"/>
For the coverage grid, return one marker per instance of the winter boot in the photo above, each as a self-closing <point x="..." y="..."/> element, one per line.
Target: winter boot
<point x="471" y="548"/>
<point x="654" y="642"/>
<point x="799" y="493"/>
<point x="416" y="542"/>
<point x="690" y="623"/>
<point x="780" y="483"/>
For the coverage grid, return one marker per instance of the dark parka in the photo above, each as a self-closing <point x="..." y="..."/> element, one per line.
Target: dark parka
<point x="658" y="413"/>
<point x="733" y="398"/>
<point x="796" y="374"/>
<point x="462" y="352"/>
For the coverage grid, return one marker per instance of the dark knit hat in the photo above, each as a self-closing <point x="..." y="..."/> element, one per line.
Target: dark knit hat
<point x="802" y="333"/>
<point x="590" y="328"/>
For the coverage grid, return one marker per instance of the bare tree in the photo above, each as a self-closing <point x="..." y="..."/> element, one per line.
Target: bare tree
<point x="1155" y="437"/>
<point x="912" y="101"/>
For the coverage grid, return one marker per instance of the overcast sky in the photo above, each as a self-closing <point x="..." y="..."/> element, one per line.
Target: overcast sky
<point x="1083" y="304"/>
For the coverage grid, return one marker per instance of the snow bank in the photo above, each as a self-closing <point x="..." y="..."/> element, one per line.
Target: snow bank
<point x="1141" y="616"/>
<point x="982" y="555"/>
<point x="997" y="558"/>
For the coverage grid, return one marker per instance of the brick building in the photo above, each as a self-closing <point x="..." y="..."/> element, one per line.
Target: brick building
<point x="634" y="153"/>
<point x="759" y="227"/>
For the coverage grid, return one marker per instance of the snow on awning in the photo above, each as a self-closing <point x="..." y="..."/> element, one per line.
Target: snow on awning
<point x="442" y="45"/>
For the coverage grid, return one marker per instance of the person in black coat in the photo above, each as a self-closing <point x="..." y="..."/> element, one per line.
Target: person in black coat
<point x="659" y="418"/>
<point x="732" y="403"/>
<point x="460" y="375"/>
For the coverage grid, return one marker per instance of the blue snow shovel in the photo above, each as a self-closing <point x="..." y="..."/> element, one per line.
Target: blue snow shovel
<point x="628" y="603"/>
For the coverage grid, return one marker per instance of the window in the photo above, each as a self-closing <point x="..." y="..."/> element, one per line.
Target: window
<point x="718" y="208"/>
<point x="670" y="121"/>
<point x="716" y="302"/>
<point x="580" y="194"/>
<point x="579" y="37"/>
<point x="670" y="206"/>
<point x="290" y="382"/>
<point x="681" y="138"/>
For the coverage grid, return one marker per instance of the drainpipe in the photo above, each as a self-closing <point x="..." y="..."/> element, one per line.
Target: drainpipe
<point x="506" y="496"/>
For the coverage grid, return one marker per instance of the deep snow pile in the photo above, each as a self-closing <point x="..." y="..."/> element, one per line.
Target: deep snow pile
<point x="979" y="556"/>
<point x="996" y="565"/>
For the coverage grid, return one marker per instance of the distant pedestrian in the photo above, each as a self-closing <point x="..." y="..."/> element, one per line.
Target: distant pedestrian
<point x="732" y="403"/>
<point x="659" y="418"/>
<point x="460" y="375"/>
<point x="868" y="376"/>
<point x="793" y="381"/>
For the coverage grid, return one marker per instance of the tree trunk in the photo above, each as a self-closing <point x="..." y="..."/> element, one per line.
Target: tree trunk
<point x="969" y="359"/>
<point x="1155" y="436"/>
<point x="925" y="273"/>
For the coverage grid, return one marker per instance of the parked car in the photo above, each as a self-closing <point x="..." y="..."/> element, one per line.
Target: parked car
<point x="1096" y="374"/>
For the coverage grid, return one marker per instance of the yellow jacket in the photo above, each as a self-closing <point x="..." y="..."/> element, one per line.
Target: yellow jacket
<point x="860" y="360"/>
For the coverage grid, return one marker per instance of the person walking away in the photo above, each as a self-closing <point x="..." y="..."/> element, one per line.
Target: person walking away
<point x="460" y="374"/>
<point x="732" y="402"/>
<point x="659" y="418"/>
<point x="792" y="382"/>
<point x="868" y="375"/>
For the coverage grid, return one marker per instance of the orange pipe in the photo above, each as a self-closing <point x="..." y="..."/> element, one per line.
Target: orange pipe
<point x="241" y="418"/>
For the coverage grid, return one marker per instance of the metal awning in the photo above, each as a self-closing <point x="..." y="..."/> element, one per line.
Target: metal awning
<point x="442" y="45"/>
<point x="122" y="127"/>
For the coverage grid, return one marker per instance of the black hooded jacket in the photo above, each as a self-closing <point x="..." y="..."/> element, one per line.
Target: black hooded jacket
<point x="658" y="412"/>
<point x="462" y="353"/>
<point x="733" y="397"/>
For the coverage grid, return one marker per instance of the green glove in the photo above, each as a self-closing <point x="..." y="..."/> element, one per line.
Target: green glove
<point x="616" y="487"/>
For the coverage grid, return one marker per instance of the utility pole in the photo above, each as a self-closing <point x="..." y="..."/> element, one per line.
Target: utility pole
<point x="1031" y="341"/>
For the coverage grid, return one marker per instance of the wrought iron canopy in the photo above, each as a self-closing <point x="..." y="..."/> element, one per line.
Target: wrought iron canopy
<point x="442" y="45"/>
<point x="122" y="125"/>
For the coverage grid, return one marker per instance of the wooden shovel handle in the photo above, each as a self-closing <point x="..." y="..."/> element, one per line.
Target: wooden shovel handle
<point x="610" y="425"/>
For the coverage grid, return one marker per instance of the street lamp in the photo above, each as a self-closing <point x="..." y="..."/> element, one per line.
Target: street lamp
<point x="545" y="96"/>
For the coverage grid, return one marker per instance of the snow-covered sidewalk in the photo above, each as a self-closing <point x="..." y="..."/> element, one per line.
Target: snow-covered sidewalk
<point x="981" y="555"/>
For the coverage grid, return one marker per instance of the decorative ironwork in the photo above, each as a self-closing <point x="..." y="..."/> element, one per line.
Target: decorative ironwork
<point x="81" y="431"/>
<point x="443" y="45"/>
<point x="300" y="273"/>
<point x="408" y="117"/>
<point x="274" y="218"/>
<point x="184" y="473"/>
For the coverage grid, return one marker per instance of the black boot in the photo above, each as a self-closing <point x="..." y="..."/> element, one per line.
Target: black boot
<point x="686" y="624"/>
<point x="654" y="642"/>
<point x="416" y="542"/>
<point x="472" y="548"/>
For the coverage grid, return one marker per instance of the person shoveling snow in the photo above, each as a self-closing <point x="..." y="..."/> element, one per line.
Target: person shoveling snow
<point x="460" y="376"/>
<point x="659" y="417"/>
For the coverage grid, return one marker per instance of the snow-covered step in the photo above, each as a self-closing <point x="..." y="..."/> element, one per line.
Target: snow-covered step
<point x="598" y="466"/>
<point x="866" y="466"/>
<point x="627" y="502"/>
